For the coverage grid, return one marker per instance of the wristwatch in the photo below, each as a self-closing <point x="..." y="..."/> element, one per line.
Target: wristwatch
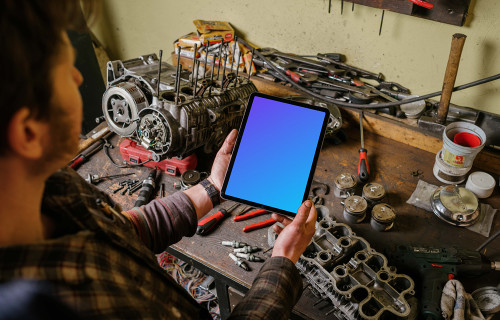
<point x="212" y="191"/>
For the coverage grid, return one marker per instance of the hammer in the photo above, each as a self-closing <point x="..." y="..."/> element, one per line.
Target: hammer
<point x="457" y="44"/>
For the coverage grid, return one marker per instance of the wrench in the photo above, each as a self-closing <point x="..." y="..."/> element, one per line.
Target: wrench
<point x="328" y="67"/>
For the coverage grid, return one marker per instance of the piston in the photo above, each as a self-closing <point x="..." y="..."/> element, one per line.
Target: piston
<point x="345" y="185"/>
<point x="355" y="209"/>
<point x="383" y="216"/>
<point x="373" y="193"/>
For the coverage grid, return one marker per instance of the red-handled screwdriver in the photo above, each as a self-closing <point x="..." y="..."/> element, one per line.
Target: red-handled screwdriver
<point x="205" y="225"/>
<point x="363" y="168"/>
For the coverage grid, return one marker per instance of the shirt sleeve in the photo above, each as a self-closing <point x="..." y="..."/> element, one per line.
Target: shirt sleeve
<point x="274" y="292"/>
<point x="164" y="221"/>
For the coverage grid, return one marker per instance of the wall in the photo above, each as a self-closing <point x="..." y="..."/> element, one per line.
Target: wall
<point x="411" y="51"/>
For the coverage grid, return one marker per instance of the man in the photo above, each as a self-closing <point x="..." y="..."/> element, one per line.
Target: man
<point x="57" y="228"/>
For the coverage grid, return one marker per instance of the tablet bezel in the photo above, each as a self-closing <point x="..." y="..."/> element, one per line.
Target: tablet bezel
<point x="319" y="145"/>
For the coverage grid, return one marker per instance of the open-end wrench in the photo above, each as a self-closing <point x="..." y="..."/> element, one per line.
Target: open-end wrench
<point x="367" y="92"/>
<point x="328" y="67"/>
<point x="358" y="71"/>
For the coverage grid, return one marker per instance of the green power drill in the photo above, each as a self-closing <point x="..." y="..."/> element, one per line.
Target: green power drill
<point x="433" y="267"/>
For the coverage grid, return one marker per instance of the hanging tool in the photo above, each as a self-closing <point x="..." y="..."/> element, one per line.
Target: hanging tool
<point x="341" y="7"/>
<point x="363" y="168"/>
<point x="207" y="224"/>
<point x="148" y="187"/>
<point x="257" y="225"/>
<point x="381" y="22"/>
<point x="95" y="178"/>
<point x="422" y="3"/>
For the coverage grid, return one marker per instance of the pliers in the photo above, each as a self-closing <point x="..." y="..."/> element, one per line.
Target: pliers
<point x="257" y="225"/>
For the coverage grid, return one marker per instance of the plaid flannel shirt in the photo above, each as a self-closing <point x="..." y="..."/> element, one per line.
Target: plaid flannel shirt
<point x="100" y="267"/>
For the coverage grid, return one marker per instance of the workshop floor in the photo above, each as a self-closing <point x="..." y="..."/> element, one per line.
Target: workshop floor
<point x="190" y="279"/>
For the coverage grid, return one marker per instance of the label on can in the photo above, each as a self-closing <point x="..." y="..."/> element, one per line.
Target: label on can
<point x="453" y="159"/>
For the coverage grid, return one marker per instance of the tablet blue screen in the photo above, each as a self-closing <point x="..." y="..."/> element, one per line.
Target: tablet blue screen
<point x="275" y="154"/>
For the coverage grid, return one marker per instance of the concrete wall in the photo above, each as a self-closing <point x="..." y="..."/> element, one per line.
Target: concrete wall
<point x="411" y="51"/>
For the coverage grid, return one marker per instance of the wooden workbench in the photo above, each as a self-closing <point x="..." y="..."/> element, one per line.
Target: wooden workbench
<point x="391" y="164"/>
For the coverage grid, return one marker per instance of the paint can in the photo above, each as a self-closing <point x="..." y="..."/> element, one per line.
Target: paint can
<point x="448" y="174"/>
<point x="462" y="141"/>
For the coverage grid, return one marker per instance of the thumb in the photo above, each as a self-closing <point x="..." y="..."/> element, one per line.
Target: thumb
<point x="303" y="212"/>
<point x="228" y="145"/>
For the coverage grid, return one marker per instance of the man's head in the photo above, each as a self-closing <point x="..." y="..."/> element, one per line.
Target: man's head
<point x="38" y="77"/>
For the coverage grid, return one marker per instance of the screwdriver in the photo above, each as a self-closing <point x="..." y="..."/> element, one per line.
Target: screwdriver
<point x="363" y="168"/>
<point x="207" y="224"/>
<point x="147" y="189"/>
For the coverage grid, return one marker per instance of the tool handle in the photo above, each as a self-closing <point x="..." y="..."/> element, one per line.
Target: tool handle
<point x="450" y="75"/>
<point x="295" y="76"/>
<point x="363" y="168"/>
<point x="249" y="215"/>
<point x="145" y="193"/>
<point x="207" y="224"/>
<point x="433" y="281"/>
<point x="259" y="225"/>
<point x="78" y="161"/>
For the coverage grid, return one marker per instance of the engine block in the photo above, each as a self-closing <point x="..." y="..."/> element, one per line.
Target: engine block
<point x="342" y="268"/>
<point x="165" y="123"/>
<point x="168" y="124"/>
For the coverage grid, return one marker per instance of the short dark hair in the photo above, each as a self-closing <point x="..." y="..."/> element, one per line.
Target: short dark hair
<point x="30" y="33"/>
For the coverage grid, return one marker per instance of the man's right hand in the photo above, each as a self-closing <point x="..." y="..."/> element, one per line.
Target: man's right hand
<point x="293" y="240"/>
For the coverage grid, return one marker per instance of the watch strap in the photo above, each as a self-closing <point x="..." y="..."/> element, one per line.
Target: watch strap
<point x="212" y="191"/>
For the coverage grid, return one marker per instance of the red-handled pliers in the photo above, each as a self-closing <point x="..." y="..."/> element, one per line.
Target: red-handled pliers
<point x="257" y="225"/>
<point x="423" y="3"/>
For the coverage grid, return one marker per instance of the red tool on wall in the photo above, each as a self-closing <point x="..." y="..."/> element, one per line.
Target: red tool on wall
<point x="423" y="3"/>
<point x="258" y="225"/>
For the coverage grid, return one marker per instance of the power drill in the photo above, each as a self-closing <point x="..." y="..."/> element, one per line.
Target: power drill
<point x="434" y="266"/>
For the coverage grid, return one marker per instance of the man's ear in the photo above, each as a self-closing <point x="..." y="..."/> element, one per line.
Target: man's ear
<point x="26" y="134"/>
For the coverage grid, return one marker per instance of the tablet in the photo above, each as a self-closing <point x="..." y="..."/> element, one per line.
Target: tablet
<point x="275" y="154"/>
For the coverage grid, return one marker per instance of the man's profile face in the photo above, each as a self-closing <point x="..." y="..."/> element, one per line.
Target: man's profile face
<point x="66" y="107"/>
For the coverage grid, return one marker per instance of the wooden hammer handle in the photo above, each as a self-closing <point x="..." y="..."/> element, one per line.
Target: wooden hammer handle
<point x="457" y="44"/>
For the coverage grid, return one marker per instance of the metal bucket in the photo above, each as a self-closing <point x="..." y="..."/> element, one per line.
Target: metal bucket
<point x="457" y="155"/>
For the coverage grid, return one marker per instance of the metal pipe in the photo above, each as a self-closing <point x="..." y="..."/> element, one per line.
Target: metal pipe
<point x="220" y="59"/>
<point x="206" y="60"/>
<point x="237" y="69"/>
<point x="251" y="62"/>
<point x="197" y="65"/>
<point x="158" y="78"/>
<point x="177" y="75"/>
<point x="194" y="63"/>
<point x="224" y="71"/>
<point x="211" y="76"/>
<point x="234" y="52"/>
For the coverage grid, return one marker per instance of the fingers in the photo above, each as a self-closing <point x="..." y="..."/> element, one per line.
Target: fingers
<point x="303" y="212"/>
<point x="313" y="215"/>
<point x="277" y="229"/>
<point x="228" y="145"/>
<point x="279" y="218"/>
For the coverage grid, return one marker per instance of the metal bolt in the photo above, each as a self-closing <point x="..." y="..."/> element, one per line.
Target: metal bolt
<point x="239" y="262"/>
<point x="247" y="249"/>
<point x="234" y="244"/>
